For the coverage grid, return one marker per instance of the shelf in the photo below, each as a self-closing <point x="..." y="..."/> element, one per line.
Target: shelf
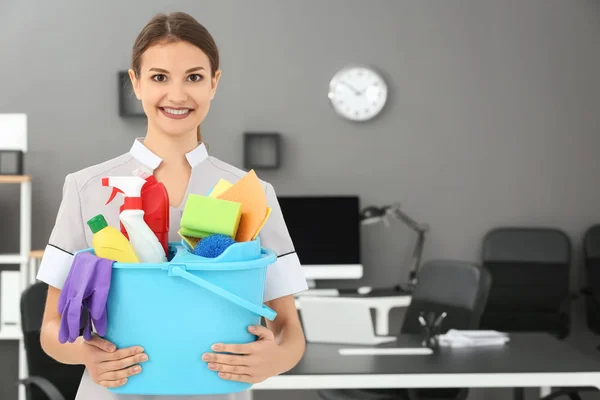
<point x="36" y="254"/>
<point x="15" y="178"/>
<point x="10" y="333"/>
<point x="12" y="259"/>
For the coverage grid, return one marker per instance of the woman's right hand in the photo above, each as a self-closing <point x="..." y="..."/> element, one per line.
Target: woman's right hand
<point x="108" y="366"/>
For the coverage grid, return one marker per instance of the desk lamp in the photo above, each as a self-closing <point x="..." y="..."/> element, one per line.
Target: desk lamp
<point x="373" y="214"/>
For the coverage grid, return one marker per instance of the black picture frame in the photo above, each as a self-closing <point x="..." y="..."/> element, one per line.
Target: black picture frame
<point x="129" y="105"/>
<point x="262" y="150"/>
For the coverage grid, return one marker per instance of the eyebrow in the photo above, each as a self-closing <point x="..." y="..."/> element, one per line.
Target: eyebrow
<point x="164" y="71"/>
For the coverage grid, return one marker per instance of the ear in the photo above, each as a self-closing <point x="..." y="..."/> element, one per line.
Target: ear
<point x="215" y="83"/>
<point x="135" y="83"/>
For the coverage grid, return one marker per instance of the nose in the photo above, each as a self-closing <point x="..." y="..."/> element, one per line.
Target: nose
<point x="177" y="93"/>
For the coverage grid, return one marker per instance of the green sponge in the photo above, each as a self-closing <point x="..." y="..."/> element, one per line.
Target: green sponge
<point x="205" y="216"/>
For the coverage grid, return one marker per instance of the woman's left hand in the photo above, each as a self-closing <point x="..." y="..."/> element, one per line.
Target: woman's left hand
<point x="251" y="362"/>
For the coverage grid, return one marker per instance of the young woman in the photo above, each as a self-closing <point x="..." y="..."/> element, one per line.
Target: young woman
<point x="175" y="73"/>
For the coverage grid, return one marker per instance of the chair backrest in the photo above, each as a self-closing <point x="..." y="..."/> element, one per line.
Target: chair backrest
<point x="591" y="259"/>
<point x="591" y="254"/>
<point x="65" y="377"/>
<point x="530" y="268"/>
<point x="458" y="288"/>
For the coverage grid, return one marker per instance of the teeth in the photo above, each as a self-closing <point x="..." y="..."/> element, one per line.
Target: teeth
<point x="176" y="112"/>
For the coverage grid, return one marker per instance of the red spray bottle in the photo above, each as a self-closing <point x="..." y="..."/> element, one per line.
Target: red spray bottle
<point x="155" y="203"/>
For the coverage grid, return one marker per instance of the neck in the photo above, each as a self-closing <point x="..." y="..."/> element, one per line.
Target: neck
<point x="170" y="149"/>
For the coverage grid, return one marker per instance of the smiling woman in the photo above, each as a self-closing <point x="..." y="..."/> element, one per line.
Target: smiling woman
<point x="174" y="73"/>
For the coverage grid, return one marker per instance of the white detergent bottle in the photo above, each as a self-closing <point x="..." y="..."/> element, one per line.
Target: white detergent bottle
<point x="145" y="243"/>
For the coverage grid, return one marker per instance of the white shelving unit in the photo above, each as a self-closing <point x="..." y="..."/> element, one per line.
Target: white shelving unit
<point x="14" y="332"/>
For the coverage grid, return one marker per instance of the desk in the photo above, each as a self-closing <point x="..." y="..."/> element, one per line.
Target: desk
<point x="382" y="302"/>
<point x="528" y="360"/>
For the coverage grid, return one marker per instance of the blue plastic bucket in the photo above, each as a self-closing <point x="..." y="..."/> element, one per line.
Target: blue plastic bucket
<point x="177" y="310"/>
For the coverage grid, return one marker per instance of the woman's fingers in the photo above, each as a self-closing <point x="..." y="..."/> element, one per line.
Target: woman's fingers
<point x="120" y="375"/>
<point x="233" y="369"/>
<point x="122" y="354"/>
<point x="112" y="384"/>
<point x="120" y="364"/>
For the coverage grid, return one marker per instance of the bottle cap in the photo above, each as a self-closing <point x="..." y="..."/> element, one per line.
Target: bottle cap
<point x="97" y="223"/>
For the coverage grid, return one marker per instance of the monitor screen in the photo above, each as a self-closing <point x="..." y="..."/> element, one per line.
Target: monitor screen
<point x="325" y="230"/>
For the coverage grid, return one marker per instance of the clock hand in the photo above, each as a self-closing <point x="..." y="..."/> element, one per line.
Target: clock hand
<point x="356" y="92"/>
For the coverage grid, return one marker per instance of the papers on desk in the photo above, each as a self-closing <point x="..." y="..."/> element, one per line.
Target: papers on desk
<point x="457" y="338"/>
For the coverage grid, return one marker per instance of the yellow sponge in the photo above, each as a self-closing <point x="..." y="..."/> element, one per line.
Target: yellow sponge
<point x="219" y="188"/>
<point x="205" y="216"/>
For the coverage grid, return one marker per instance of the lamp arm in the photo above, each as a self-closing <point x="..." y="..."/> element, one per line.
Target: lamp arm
<point x="414" y="225"/>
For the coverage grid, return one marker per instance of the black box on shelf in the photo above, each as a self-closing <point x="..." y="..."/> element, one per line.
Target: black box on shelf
<point x="262" y="150"/>
<point x="11" y="162"/>
<point x="129" y="105"/>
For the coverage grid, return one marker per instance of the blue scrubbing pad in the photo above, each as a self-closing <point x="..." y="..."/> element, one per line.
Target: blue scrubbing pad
<point x="213" y="245"/>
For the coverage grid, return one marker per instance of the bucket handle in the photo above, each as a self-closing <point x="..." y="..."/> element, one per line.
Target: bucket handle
<point x="264" y="311"/>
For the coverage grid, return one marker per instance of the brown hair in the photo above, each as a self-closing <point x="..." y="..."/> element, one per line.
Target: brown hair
<point x="174" y="27"/>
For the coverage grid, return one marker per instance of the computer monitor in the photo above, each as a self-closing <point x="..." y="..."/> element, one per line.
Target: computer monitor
<point x="326" y="234"/>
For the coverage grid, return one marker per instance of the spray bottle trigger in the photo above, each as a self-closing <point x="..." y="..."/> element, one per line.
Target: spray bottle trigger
<point x="114" y="191"/>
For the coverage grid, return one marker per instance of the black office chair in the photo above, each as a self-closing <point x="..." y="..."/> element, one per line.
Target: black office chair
<point x="458" y="288"/>
<point x="591" y="260"/>
<point x="48" y="379"/>
<point x="530" y="271"/>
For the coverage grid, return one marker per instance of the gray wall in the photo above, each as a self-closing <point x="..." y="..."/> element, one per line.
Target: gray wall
<point x="493" y="117"/>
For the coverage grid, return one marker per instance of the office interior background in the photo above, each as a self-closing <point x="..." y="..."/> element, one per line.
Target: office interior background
<point x="492" y="117"/>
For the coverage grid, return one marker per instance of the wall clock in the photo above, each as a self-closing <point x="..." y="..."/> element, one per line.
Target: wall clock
<point x="357" y="93"/>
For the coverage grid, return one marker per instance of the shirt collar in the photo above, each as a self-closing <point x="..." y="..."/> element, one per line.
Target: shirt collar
<point x="152" y="161"/>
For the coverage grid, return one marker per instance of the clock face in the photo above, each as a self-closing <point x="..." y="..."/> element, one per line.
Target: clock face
<point x="357" y="93"/>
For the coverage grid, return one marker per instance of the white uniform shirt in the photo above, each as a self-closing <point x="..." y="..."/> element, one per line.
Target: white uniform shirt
<point x="84" y="197"/>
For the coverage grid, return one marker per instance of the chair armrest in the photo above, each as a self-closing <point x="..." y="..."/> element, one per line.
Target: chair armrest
<point x="45" y="386"/>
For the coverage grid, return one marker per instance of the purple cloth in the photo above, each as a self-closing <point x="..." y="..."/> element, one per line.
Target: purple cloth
<point x="87" y="285"/>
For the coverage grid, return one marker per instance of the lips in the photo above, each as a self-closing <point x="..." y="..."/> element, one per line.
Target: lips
<point x="175" y="113"/>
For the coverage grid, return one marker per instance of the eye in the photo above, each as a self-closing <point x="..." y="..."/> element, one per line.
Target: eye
<point x="159" y="78"/>
<point x="195" y="77"/>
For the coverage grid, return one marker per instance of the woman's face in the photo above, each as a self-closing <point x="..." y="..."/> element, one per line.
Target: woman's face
<point x="175" y="87"/>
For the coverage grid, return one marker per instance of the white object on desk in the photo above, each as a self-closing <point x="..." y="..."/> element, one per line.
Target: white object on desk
<point x="460" y="338"/>
<point x="382" y="351"/>
<point x="338" y="320"/>
<point x="382" y="305"/>
<point x="10" y="294"/>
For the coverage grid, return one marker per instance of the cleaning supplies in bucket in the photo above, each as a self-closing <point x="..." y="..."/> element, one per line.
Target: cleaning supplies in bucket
<point x="155" y="203"/>
<point x="249" y="192"/>
<point x="87" y="286"/>
<point x="203" y="216"/>
<point x="213" y="245"/>
<point x="109" y="243"/>
<point x="219" y="279"/>
<point x="144" y="241"/>
<point x="214" y="213"/>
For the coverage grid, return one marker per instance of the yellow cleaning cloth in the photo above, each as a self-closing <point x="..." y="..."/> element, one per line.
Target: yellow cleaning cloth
<point x="249" y="192"/>
<point x="263" y="223"/>
<point x="220" y="188"/>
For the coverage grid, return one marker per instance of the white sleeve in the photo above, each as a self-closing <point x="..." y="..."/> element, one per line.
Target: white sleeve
<point x="285" y="277"/>
<point x="67" y="237"/>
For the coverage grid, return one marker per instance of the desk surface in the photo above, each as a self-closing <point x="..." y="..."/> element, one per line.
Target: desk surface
<point x="524" y="353"/>
<point x="528" y="360"/>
